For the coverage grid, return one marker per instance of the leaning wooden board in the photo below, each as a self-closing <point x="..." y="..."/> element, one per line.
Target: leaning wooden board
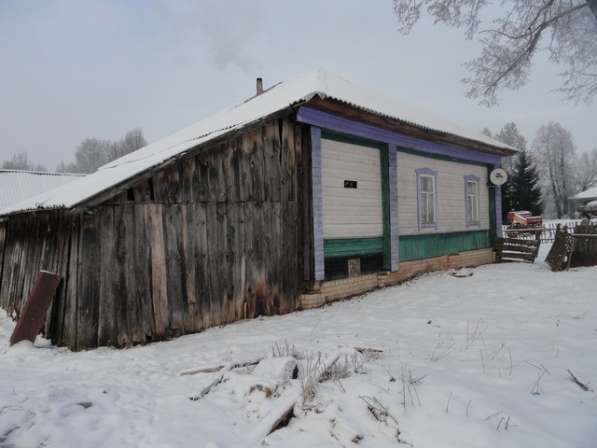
<point x="33" y="315"/>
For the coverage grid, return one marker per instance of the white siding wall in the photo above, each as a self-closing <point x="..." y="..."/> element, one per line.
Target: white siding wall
<point x="349" y="212"/>
<point x="450" y="194"/>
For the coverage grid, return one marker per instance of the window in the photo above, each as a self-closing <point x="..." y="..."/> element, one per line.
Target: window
<point x="471" y="197"/>
<point x="427" y="197"/>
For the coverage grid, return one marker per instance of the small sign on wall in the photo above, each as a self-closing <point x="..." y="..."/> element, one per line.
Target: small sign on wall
<point x="350" y="184"/>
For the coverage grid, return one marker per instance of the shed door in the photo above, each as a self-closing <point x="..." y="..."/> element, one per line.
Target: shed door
<point x="352" y="190"/>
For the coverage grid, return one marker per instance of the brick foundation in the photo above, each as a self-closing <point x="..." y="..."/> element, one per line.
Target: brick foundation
<point x="340" y="289"/>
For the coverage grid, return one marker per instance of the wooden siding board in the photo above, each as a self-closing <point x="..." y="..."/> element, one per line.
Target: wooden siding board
<point x="107" y="328"/>
<point x="159" y="278"/>
<point x="142" y="273"/>
<point x="174" y="269"/>
<point x="120" y="280"/>
<point x="87" y="282"/>
<point x="69" y="331"/>
<point x="351" y="213"/>
<point x="450" y="194"/>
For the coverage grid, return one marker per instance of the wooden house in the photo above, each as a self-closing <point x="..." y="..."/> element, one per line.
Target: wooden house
<point x="312" y="190"/>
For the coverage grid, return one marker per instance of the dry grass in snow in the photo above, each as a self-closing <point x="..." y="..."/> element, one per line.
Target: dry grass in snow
<point x="466" y="362"/>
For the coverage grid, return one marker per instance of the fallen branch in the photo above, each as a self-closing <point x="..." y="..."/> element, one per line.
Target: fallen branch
<point x="201" y="370"/>
<point x="363" y="350"/>
<point x="225" y="367"/>
<point x="207" y="389"/>
<point x="277" y="418"/>
<point x="579" y="383"/>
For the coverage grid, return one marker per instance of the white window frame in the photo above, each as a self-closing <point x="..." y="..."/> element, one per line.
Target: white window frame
<point x="472" y="220"/>
<point x="426" y="173"/>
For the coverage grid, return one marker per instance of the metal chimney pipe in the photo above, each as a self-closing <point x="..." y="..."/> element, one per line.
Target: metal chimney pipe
<point x="259" y="86"/>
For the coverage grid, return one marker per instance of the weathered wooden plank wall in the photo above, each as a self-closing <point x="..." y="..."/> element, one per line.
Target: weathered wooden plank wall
<point x="212" y="238"/>
<point x="32" y="243"/>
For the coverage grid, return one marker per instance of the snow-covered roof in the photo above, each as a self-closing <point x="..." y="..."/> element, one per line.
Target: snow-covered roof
<point x="587" y="194"/>
<point x="299" y="89"/>
<point x="18" y="185"/>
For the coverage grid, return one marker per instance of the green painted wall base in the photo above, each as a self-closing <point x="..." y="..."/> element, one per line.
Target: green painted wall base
<point x="412" y="247"/>
<point x="415" y="247"/>
<point x="347" y="247"/>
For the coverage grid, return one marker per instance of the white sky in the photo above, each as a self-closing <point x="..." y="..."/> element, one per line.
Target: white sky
<point x="76" y="69"/>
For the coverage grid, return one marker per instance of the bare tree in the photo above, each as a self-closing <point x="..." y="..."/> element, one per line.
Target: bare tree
<point x="566" y="29"/>
<point x="585" y="172"/>
<point x="510" y="135"/>
<point x="21" y="162"/>
<point x="555" y="149"/>
<point x="132" y="141"/>
<point x="92" y="153"/>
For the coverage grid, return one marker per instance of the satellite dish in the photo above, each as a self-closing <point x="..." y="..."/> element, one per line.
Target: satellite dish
<point x="498" y="176"/>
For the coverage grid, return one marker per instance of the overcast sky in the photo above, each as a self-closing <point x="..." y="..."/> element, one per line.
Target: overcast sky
<point x="76" y="69"/>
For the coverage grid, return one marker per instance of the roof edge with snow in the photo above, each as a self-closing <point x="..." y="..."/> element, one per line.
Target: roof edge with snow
<point x="281" y="96"/>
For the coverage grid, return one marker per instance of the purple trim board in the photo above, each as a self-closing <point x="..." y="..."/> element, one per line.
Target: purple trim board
<point x="317" y="202"/>
<point x="329" y="121"/>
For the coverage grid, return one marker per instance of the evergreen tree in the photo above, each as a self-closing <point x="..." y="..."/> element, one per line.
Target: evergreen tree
<point x="510" y="135"/>
<point x="525" y="186"/>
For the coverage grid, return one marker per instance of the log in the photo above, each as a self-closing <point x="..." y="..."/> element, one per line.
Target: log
<point x="33" y="315"/>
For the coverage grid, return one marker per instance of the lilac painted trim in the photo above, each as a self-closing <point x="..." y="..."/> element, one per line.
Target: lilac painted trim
<point x="317" y="201"/>
<point x="393" y="198"/>
<point x="427" y="172"/>
<point x="467" y="178"/>
<point x="498" y="207"/>
<point x="339" y="124"/>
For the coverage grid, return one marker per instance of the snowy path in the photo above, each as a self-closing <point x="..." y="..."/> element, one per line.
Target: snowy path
<point x="483" y="343"/>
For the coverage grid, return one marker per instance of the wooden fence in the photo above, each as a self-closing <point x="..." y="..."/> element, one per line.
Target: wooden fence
<point x="548" y="233"/>
<point x="585" y="245"/>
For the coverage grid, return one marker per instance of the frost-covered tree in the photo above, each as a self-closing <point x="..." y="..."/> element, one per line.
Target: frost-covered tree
<point x="21" y="162"/>
<point x="487" y="132"/>
<point x="93" y="153"/>
<point x="555" y="152"/>
<point x="565" y="29"/>
<point x="510" y="135"/>
<point x="586" y="170"/>
<point x="132" y="141"/>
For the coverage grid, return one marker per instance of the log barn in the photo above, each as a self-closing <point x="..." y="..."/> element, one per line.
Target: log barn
<point x="312" y="190"/>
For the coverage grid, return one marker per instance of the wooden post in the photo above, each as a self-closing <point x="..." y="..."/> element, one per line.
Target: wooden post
<point x="33" y="315"/>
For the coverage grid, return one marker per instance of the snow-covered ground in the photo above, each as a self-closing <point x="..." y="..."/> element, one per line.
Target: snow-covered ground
<point x="467" y="362"/>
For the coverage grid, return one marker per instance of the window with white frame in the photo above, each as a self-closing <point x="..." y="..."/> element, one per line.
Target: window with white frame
<point x="472" y="200"/>
<point x="426" y="200"/>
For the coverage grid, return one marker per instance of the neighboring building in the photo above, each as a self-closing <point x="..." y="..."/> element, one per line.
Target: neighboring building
<point x="580" y="200"/>
<point x="312" y="190"/>
<point x="18" y="185"/>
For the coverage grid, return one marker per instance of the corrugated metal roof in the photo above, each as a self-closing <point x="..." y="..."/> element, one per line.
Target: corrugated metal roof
<point x="279" y="97"/>
<point x="18" y="185"/>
